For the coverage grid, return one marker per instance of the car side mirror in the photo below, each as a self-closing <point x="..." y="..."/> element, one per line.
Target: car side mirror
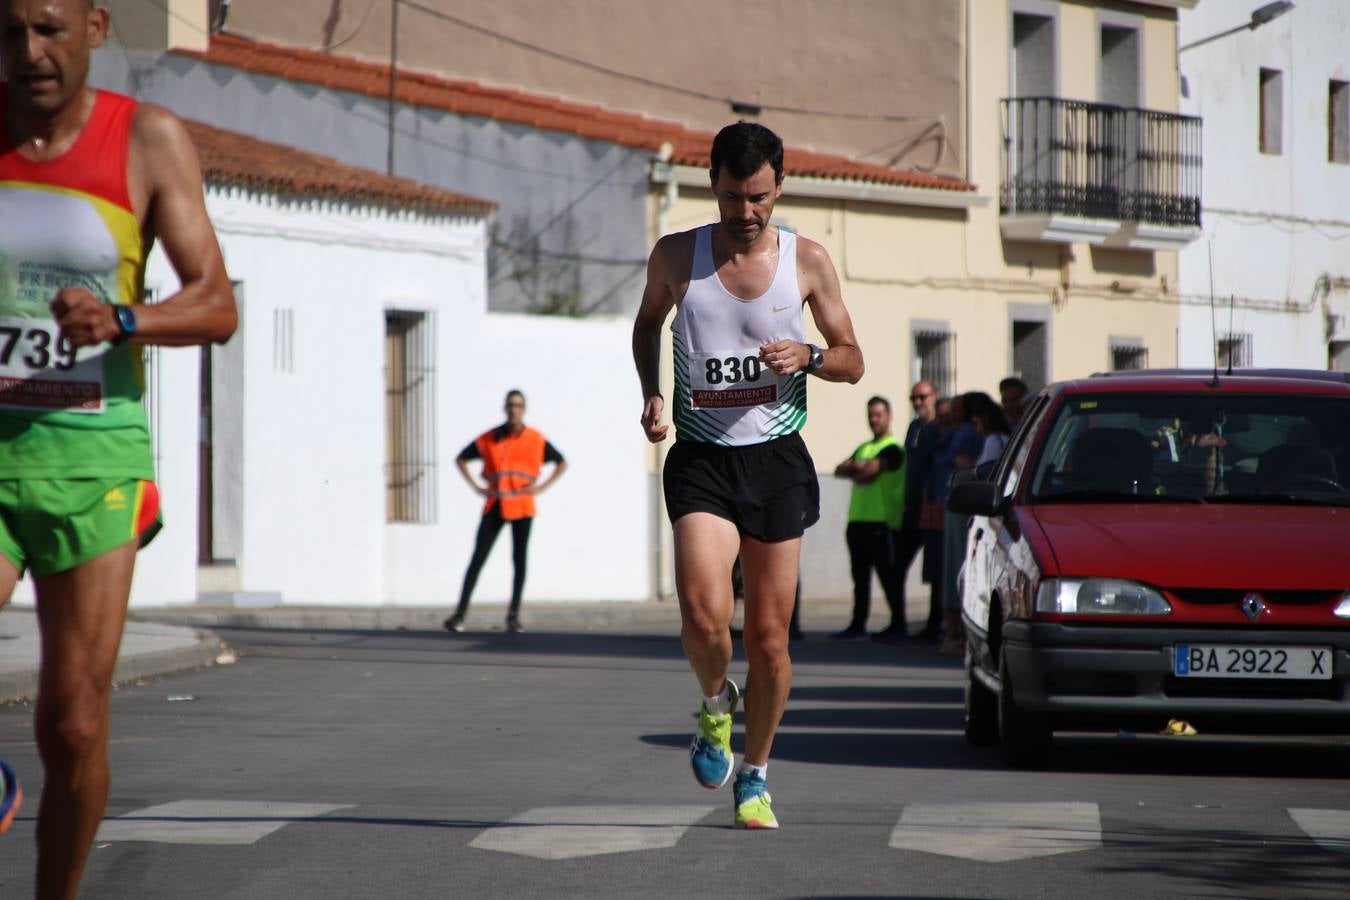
<point x="976" y="498"/>
<point x="961" y="476"/>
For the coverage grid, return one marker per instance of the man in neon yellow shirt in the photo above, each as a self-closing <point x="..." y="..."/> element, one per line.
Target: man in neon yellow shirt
<point x="875" y="510"/>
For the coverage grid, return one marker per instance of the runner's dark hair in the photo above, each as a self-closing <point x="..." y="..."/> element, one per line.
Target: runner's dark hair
<point x="744" y="148"/>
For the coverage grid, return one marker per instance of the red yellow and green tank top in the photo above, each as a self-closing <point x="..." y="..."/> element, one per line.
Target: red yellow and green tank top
<point x="68" y="222"/>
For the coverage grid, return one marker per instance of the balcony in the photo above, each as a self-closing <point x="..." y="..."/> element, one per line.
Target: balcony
<point x="1103" y="174"/>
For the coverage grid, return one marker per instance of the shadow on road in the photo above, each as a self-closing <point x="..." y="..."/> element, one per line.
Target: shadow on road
<point x="816" y="650"/>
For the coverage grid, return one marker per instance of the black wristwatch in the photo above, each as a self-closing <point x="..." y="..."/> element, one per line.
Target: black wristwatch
<point x="126" y="322"/>
<point x="817" y="358"/>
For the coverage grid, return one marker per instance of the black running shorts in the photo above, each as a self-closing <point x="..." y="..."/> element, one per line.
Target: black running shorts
<point x="768" y="491"/>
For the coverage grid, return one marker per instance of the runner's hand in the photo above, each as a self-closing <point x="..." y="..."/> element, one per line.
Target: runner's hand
<point x="84" y="320"/>
<point x="651" y="414"/>
<point x="785" y="357"/>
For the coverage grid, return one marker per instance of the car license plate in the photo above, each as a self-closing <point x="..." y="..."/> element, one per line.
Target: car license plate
<point x="1228" y="661"/>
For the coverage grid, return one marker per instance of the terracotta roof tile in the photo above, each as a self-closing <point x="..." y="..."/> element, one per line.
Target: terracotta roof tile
<point x="237" y="160"/>
<point x="469" y="98"/>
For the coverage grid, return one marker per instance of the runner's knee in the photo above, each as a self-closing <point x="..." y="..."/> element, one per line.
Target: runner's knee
<point x="71" y="728"/>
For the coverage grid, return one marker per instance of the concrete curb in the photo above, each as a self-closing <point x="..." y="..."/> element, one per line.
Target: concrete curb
<point x="18" y="687"/>
<point x="544" y="616"/>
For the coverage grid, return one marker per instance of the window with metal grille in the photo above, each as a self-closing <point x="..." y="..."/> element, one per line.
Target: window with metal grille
<point x="1235" y="351"/>
<point x="1128" y="354"/>
<point x="935" y="359"/>
<point x="283" y="340"/>
<point x="409" y="417"/>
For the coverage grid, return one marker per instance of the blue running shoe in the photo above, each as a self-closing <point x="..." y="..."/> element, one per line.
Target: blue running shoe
<point x="11" y="796"/>
<point x="753" y="808"/>
<point x="710" y="754"/>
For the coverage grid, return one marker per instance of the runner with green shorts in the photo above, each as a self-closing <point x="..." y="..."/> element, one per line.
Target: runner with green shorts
<point x="88" y="180"/>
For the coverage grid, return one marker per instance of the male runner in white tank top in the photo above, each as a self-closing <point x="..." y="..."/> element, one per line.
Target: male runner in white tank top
<point x="739" y="480"/>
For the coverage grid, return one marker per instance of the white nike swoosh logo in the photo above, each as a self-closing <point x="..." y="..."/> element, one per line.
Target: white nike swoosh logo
<point x="782" y="308"/>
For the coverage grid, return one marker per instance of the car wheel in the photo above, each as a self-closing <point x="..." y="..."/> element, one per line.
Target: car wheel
<point x="981" y="706"/>
<point x="1024" y="737"/>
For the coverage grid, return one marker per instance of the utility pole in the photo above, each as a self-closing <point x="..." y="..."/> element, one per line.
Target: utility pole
<point x="393" y="83"/>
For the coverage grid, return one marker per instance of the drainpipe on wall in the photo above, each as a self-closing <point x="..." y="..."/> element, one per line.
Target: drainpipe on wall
<point x="664" y="580"/>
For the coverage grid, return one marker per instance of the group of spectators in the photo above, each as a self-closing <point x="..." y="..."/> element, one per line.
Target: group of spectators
<point x="910" y="482"/>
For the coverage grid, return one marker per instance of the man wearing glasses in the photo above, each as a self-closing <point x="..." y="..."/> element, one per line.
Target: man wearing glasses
<point x="923" y="398"/>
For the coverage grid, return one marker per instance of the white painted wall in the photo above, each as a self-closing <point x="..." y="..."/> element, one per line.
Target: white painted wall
<point x="313" y="488"/>
<point x="1275" y="224"/>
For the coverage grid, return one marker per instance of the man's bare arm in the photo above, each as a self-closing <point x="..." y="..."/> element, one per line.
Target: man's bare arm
<point x="657" y="300"/>
<point x="203" y="310"/>
<point x="843" y="358"/>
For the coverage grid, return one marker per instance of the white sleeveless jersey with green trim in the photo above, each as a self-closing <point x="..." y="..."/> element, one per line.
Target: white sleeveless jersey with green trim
<point x="723" y="393"/>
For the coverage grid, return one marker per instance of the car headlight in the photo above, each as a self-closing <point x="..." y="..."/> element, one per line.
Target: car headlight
<point x="1101" y="596"/>
<point x="1342" y="610"/>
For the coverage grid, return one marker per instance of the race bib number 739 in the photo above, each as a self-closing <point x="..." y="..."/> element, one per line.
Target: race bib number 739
<point x="41" y="370"/>
<point x="730" y="380"/>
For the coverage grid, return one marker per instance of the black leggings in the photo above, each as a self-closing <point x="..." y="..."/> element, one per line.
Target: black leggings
<point x="870" y="546"/>
<point x="488" y="529"/>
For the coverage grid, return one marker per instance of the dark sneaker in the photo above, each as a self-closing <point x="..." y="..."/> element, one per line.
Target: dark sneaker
<point x="513" y="625"/>
<point x="710" y="754"/>
<point x="455" y="623"/>
<point x="850" y="634"/>
<point x="891" y="635"/>
<point x="11" y="796"/>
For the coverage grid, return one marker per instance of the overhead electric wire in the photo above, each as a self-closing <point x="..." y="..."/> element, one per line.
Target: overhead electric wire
<point x="355" y="31"/>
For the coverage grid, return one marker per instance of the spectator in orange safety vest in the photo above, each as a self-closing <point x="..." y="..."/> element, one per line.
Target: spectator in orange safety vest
<point x="512" y="456"/>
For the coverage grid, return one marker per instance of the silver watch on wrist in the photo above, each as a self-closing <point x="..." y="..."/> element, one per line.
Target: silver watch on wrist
<point x="817" y="358"/>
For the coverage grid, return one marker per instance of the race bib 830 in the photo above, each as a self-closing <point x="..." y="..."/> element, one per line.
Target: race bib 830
<point x="733" y="379"/>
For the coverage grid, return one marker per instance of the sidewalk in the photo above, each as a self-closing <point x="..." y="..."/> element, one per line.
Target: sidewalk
<point x="148" y="649"/>
<point x="163" y="640"/>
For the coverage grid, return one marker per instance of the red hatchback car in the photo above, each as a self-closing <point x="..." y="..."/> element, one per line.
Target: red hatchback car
<point x="1158" y="545"/>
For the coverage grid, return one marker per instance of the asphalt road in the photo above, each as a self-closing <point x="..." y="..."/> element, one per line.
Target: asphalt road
<point x="417" y="764"/>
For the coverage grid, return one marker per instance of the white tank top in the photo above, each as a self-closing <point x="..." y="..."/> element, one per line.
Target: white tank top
<point x="723" y="393"/>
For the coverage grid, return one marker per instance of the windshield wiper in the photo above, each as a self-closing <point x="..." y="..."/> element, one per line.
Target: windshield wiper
<point x="1096" y="495"/>
<point x="1280" y="498"/>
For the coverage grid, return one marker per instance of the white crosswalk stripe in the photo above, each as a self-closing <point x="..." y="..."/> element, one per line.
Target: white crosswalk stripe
<point x="1330" y="828"/>
<point x="999" y="832"/>
<point x="208" y="821"/>
<point x="985" y="832"/>
<point x="568" y="832"/>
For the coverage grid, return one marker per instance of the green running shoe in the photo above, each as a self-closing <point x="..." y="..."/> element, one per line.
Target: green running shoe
<point x="753" y="808"/>
<point x="710" y="754"/>
<point x="11" y="796"/>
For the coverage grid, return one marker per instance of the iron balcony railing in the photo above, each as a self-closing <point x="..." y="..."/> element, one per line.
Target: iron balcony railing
<point x="1100" y="161"/>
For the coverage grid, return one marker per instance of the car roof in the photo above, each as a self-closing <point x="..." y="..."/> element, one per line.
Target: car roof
<point x="1288" y="381"/>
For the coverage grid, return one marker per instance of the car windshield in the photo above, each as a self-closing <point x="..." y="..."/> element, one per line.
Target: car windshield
<point x="1211" y="448"/>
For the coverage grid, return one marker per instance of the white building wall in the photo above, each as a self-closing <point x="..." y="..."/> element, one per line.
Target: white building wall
<point x="1277" y="226"/>
<point x="314" y="438"/>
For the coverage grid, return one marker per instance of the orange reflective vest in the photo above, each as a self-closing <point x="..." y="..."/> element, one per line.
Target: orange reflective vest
<point x="511" y="464"/>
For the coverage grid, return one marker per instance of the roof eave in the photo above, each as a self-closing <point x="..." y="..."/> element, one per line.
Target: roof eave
<point x="836" y="189"/>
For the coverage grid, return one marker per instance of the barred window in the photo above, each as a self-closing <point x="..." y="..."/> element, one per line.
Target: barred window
<point x="410" y="417"/>
<point x="935" y="359"/>
<point x="283" y="340"/>
<point x="1234" y="351"/>
<point x="1128" y="354"/>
